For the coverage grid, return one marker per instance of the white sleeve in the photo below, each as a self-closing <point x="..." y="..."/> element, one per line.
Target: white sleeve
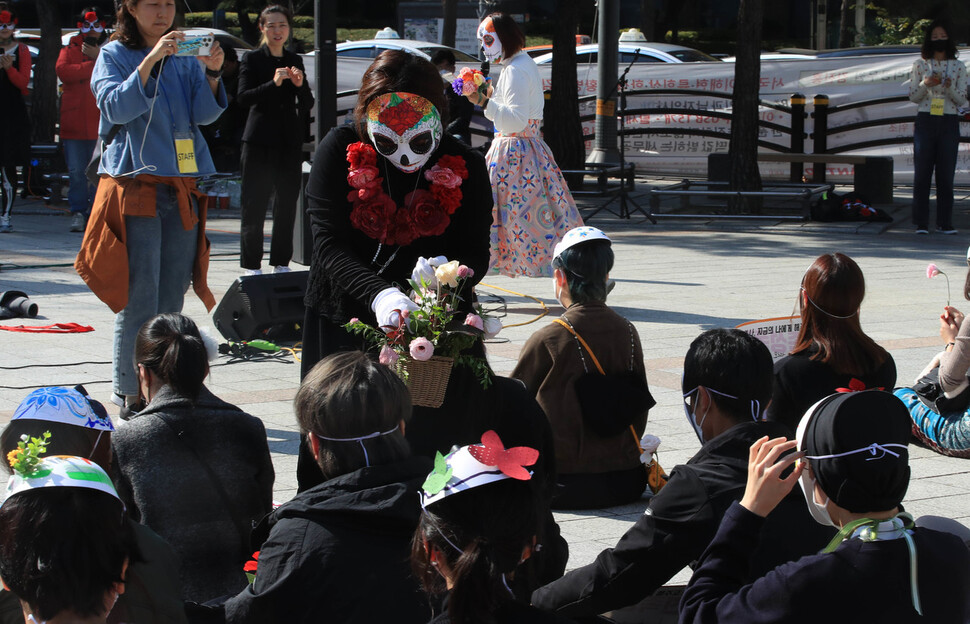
<point x="508" y="108"/>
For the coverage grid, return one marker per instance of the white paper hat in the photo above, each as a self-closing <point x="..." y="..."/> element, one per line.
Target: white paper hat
<point x="576" y="236"/>
<point x="62" y="471"/>
<point x="64" y="405"/>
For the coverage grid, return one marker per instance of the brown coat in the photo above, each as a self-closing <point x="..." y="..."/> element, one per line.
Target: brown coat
<point x="103" y="260"/>
<point x="550" y="364"/>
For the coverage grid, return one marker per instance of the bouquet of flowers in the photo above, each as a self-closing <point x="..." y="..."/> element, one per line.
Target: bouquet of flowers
<point x="469" y="81"/>
<point x="435" y="328"/>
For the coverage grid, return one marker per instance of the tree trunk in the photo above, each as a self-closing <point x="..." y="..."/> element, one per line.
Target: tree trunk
<point x="43" y="109"/>
<point x="449" y="23"/>
<point x="648" y="20"/>
<point x="250" y="31"/>
<point x="562" y="108"/>
<point x="744" y="118"/>
<point x="845" y="26"/>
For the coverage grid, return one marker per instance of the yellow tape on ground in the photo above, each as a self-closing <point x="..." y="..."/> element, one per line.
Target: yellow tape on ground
<point x="545" y="310"/>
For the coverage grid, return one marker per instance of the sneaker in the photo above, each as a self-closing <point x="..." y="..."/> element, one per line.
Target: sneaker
<point x="5" y="224"/>
<point x="251" y="272"/>
<point x="948" y="231"/>
<point x="920" y="230"/>
<point x="282" y="269"/>
<point x="77" y="222"/>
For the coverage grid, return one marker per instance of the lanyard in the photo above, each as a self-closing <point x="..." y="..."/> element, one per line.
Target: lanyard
<point x="185" y="97"/>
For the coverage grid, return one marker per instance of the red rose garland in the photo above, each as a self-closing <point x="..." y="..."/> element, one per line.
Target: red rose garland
<point x="425" y="213"/>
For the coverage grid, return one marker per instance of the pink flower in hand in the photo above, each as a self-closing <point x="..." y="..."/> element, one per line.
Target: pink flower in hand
<point x="388" y="356"/>
<point x="465" y="271"/>
<point x="475" y="321"/>
<point x="355" y="320"/>
<point x="421" y="349"/>
<point x="932" y="270"/>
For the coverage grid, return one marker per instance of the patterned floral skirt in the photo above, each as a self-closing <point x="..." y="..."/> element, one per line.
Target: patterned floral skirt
<point x="533" y="208"/>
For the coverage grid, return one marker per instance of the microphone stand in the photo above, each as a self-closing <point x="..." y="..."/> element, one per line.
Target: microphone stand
<point x="623" y="195"/>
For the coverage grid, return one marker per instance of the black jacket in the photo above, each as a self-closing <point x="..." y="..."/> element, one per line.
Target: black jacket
<point x="859" y="582"/>
<point x="276" y="115"/>
<point x="513" y="613"/>
<point x="678" y="525"/>
<point x="339" y="552"/>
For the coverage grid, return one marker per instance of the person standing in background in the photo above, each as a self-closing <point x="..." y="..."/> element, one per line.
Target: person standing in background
<point x="272" y="82"/>
<point x="14" y="77"/>
<point x="938" y="84"/>
<point x="79" y="111"/>
<point x="459" y="108"/>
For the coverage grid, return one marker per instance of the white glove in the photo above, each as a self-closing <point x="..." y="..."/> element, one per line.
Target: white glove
<point x="388" y="305"/>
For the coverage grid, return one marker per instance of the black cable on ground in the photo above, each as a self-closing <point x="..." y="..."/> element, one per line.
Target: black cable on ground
<point x="50" y="365"/>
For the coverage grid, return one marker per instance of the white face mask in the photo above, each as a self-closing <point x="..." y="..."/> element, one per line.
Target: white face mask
<point x="817" y="509"/>
<point x="691" y="418"/>
<point x="404" y="128"/>
<point x="491" y="44"/>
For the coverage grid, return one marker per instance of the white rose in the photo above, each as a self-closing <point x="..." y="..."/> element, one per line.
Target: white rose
<point x="447" y="274"/>
<point x="437" y="261"/>
<point x="423" y="274"/>
<point x="492" y="327"/>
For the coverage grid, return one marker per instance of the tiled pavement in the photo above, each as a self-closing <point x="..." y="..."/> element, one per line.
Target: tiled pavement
<point x="674" y="280"/>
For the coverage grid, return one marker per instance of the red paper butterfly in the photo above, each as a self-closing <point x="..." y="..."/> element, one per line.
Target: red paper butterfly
<point x="510" y="461"/>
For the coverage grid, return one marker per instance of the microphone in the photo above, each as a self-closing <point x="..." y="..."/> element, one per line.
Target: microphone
<point x="485" y="68"/>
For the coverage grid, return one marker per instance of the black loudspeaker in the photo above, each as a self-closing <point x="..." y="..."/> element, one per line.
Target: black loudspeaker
<point x="263" y="306"/>
<point x="302" y="237"/>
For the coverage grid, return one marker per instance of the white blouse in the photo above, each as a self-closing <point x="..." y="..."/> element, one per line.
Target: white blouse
<point x="953" y="96"/>
<point x="517" y="95"/>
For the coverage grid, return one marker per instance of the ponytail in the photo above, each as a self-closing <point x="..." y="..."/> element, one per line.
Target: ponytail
<point x="171" y="347"/>
<point x="478" y="589"/>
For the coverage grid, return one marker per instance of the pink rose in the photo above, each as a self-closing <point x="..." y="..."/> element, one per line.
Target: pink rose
<point x="465" y="272"/>
<point x="443" y="176"/>
<point x="932" y="270"/>
<point x="362" y="177"/>
<point x="468" y="88"/>
<point x="355" y="320"/>
<point x="388" y="356"/>
<point x="421" y="349"/>
<point x="475" y="321"/>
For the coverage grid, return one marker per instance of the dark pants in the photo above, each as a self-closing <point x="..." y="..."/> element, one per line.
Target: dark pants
<point x="936" y="140"/>
<point x="268" y="171"/>
<point x="599" y="490"/>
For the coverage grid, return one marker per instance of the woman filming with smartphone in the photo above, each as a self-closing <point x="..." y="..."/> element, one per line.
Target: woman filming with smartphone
<point x="145" y="241"/>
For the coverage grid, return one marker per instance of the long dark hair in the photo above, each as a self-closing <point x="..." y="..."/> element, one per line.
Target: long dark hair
<point x="926" y="51"/>
<point x="509" y="33"/>
<point x="393" y="71"/>
<point x="171" y="347"/>
<point x="126" y="28"/>
<point x="492" y="525"/>
<point x="264" y="15"/>
<point x="834" y="288"/>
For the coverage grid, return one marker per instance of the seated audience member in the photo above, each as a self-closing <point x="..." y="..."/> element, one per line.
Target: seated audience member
<point x="80" y="426"/>
<point x="726" y="385"/>
<point x="64" y="543"/>
<point x="853" y="468"/>
<point x="508" y="408"/>
<point x="567" y="365"/>
<point x="479" y="521"/>
<point x="831" y="350"/>
<point x="945" y="426"/>
<point x="339" y="551"/>
<point x="189" y="465"/>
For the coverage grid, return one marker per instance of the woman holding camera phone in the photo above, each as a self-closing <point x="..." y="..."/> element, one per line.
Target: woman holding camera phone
<point x="14" y="76"/>
<point x="146" y="240"/>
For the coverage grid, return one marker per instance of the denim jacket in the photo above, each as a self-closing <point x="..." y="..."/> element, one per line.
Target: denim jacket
<point x="183" y="101"/>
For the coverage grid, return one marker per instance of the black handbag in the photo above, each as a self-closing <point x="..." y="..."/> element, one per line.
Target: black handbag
<point x="930" y="392"/>
<point x="610" y="403"/>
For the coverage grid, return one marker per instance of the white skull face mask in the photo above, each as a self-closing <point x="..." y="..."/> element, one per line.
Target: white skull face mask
<point x="404" y="128"/>
<point x="491" y="44"/>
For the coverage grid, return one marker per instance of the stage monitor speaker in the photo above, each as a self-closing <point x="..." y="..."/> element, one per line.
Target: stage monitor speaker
<point x="263" y="306"/>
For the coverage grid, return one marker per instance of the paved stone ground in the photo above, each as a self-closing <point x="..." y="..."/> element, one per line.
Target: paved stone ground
<point x="674" y="280"/>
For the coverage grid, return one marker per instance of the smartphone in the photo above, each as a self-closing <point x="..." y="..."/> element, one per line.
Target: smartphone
<point x="195" y="46"/>
<point x="91" y="41"/>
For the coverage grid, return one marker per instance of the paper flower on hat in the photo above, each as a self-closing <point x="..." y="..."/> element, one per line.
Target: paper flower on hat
<point x="7" y="17"/>
<point x="64" y="405"/>
<point x="60" y="471"/>
<point x="475" y="465"/>
<point x="25" y="459"/>
<point x="932" y="271"/>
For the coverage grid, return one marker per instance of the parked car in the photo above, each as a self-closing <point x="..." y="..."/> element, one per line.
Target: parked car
<point x="645" y="52"/>
<point x="370" y="48"/>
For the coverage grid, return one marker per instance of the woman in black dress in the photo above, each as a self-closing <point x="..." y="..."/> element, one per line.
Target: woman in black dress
<point x="14" y="76"/>
<point x="272" y="82"/>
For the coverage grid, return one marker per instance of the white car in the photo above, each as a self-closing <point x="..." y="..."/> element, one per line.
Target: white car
<point x="644" y="52"/>
<point x="370" y="48"/>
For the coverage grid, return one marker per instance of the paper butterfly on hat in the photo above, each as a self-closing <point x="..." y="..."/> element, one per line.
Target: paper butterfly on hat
<point x="475" y="465"/>
<point x="405" y="128"/>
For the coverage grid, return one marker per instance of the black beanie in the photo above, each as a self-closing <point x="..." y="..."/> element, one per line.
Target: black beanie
<point x="872" y="479"/>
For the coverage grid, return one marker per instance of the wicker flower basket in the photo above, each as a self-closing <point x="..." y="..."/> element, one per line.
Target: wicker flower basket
<point x="427" y="380"/>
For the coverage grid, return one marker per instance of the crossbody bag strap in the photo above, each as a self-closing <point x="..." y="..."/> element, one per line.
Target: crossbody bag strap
<point x="633" y="432"/>
<point x="244" y="535"/>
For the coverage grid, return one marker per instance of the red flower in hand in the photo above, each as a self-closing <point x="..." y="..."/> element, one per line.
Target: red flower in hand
<point x="428" y="217"/>
<point x="510" y="461"/>
<point x="252" y="563"/>
<point x="372" y="217"/>
<point x="455" y="163"/>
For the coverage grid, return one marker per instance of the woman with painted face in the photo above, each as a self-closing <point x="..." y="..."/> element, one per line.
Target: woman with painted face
<point x="383" y="192"/>
<point x="79" y="111"/>
<point x="831" y="351"/>
<point x="938" y="85"/>
<point x="273" y="85"/>
<point x="586" y="371"/>
<point x="14" y="76"/>
<point x="533" y="208"/>
<point x="145" y="241"/>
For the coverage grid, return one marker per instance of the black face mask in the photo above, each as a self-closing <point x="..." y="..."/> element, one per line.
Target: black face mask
<point x="939" y="45"/>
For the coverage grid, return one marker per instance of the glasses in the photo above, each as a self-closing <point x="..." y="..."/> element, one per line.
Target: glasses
<point x="10" y="26"/>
